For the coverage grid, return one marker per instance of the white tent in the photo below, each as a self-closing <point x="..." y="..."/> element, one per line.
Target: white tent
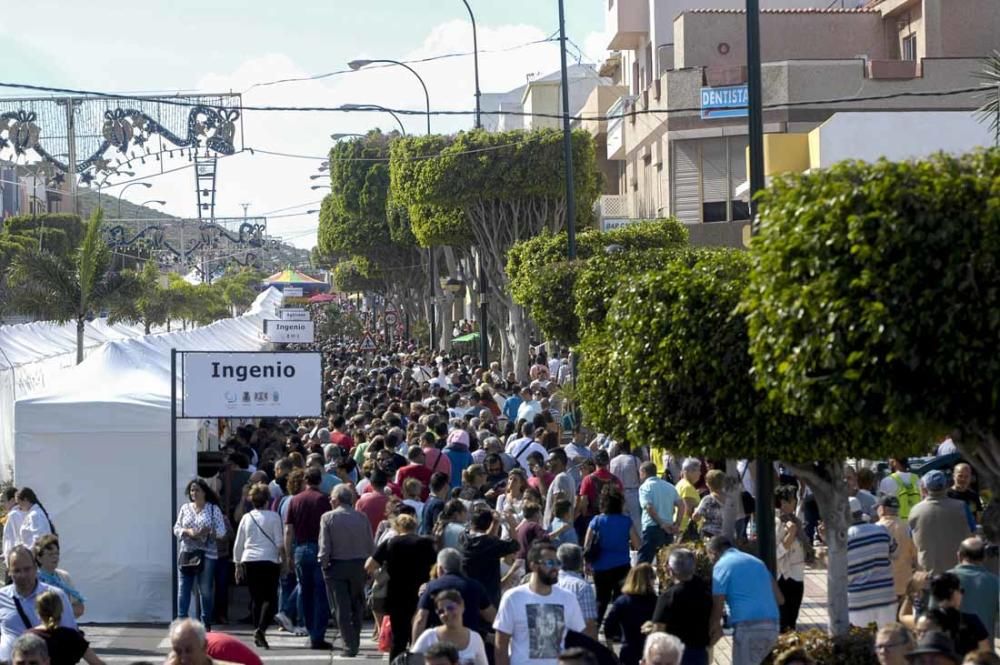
<point x="31" y="354"/>
<point x="96" y="449"/>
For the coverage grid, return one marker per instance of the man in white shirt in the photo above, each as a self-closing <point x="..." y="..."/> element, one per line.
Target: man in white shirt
<point x="12" y="527"/>
<point x="562" y="483"/>
<point x="17" y="600"/>
<point x="532" y="620"/>
<point x="519" y="449"/>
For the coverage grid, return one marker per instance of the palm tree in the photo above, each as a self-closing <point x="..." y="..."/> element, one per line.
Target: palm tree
<point x="989" y="112"/>
<point x="74" y="289"/>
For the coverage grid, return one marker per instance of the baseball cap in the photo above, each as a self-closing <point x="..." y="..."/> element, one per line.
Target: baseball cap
<point x="459" y="436"/>
<point x="935" y="481"/>
<point x="888" y="501"/>
<point x="855" y="505"/>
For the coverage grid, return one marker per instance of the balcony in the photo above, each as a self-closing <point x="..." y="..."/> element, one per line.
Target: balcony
<point x="627" y="21"/>
<point x="616" y="129"/>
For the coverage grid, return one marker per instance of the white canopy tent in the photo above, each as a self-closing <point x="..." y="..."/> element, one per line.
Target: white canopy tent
<point x="31" y="354"/>
<point x="96" y="449"/>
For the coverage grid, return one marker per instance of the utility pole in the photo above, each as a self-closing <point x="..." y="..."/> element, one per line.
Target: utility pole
<point x="766" y="544"/>
<point x="70" y="105"/>
<point x="567" y="140"/>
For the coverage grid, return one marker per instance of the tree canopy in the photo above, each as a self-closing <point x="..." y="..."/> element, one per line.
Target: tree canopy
<point x="561" y="295"/>
<point x="874" y="299"/>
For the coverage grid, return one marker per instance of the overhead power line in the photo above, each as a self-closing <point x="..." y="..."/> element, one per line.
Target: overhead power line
<point x="593" y="118"/>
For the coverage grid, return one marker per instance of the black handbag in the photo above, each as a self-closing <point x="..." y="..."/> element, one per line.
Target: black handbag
<point x="190" y="562"/>
<point x="593" y="550"/>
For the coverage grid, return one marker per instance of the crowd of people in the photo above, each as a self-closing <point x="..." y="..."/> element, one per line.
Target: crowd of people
<point x="477" y="522"/>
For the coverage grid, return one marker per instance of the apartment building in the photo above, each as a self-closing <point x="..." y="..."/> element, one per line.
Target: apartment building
<point x="680" y="147"/>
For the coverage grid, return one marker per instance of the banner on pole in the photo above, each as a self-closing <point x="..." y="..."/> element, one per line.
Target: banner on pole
<point x="231" y="384"/>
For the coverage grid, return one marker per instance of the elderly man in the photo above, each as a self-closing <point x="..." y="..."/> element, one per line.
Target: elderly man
<point x="684" y="609"/>
<point x="572" y="579"/>
<point x="345" y="543"/>
<point x="30" y="649"/>
<point x="662" y="649"/>
<point x="189" y="645"/>
<point x="871" y="596"/>
<point x="663" y="510"/>
<point x="17" y="600"/>
<point x="938" y="525"/>
<point x="742" y="582"/>
<point x="479" y="611"/>
<point x="980" y="587"/>
<point x="961" y="489"/>
<point x="903" y="552"/>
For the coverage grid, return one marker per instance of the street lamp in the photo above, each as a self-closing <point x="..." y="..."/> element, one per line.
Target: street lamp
<point x="147" y="185"/>
<point x="338" y="136"/>
<point x="359" y="64"/>
<point x="146" y="203"/>
<point x="314" y="187"/>
<point x="365" y="107"/>
<point x="475" y="65"/>
<point x="317" y="176"/>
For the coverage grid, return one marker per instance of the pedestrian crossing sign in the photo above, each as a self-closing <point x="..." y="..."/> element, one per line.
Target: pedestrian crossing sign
<point x="368" y="344"/>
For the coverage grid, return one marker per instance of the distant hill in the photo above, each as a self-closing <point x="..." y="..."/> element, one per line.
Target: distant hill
<point x="281" y="256"/>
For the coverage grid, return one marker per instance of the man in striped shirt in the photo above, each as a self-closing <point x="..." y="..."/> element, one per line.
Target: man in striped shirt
<point x="870" y="594"/>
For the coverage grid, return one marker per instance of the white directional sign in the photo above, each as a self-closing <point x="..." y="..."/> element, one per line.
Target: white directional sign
<point x="289" y="332"/>
<point x="225" y="384"/>
<point x="293" y="314"/>
<point x="292" y="291"/>
<point x="368" y="344"/>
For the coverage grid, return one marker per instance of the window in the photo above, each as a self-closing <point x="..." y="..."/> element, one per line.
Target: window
<point x="649" y="65"/>
<point x="910" y="47"/>
<point x="706" y="174"/>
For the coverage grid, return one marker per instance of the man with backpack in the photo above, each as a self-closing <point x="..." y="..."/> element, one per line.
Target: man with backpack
<point x="901" y="484"/>
<point x="589" y="494"/>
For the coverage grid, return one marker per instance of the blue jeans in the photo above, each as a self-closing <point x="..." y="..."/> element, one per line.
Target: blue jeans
<point x="290" y="600"/>
<point x="753" y="641"/>
<point x="653" y="538"/>
<point x="312" y="589"/>
<point x="205" y="579"/>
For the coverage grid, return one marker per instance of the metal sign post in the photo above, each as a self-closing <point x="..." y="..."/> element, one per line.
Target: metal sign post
<point x="239" y="384"/>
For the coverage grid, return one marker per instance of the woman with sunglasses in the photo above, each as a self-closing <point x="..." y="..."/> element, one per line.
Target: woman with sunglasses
<point x="449" y="607"/>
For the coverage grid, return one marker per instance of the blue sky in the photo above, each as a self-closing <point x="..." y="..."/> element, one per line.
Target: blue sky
<point x="156" y="45"/>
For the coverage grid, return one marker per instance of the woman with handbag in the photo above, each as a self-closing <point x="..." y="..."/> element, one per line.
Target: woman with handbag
<point x="199" y="523"/>
<point x="259" y="552"/>
<point x="610" y="533"/>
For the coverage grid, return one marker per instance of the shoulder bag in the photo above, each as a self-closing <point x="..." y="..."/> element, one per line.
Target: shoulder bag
<point x="593" y="550"/>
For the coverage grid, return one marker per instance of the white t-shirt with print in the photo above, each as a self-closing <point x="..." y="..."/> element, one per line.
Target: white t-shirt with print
<point x="537" y="624"/>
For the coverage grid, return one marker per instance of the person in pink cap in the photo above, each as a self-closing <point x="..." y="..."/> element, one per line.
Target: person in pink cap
<point x="457" y="452"/>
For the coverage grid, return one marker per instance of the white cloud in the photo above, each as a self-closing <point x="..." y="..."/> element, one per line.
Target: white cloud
<point x="270" y="182"/>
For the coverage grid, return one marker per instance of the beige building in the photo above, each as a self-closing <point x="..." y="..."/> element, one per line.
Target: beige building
<point x="680" y="148"/>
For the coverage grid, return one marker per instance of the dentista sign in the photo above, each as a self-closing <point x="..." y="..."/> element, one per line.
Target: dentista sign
<point x="219" y="384"/>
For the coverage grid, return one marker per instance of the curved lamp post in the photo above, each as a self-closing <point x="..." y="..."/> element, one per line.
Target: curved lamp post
<point x="147" y="185"/>
<point x="359" y="64"/>
<point x="475" y="61"/>
<point x="365" y="107"/>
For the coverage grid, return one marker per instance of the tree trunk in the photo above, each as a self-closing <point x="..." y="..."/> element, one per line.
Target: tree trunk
<point x="826" y="479"/>
<point x="732" y="511"/>
<point x="79" y="340"/>
<point x="518" y="332"/>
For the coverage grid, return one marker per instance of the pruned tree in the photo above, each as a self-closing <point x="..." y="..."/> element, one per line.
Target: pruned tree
<point x="492" y="190"/>
<point x="359" y="223"/>
<point x="874" y="302"/>
<point x="676" y="372"/>
<point x="563" y="296"/>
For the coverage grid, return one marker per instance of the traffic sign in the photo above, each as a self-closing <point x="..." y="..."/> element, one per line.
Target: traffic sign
<point x="368" y="344"/>
<point x="391" y="318"/>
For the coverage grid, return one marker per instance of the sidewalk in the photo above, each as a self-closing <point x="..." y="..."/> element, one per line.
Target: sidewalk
<point x="812" y="614"/>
